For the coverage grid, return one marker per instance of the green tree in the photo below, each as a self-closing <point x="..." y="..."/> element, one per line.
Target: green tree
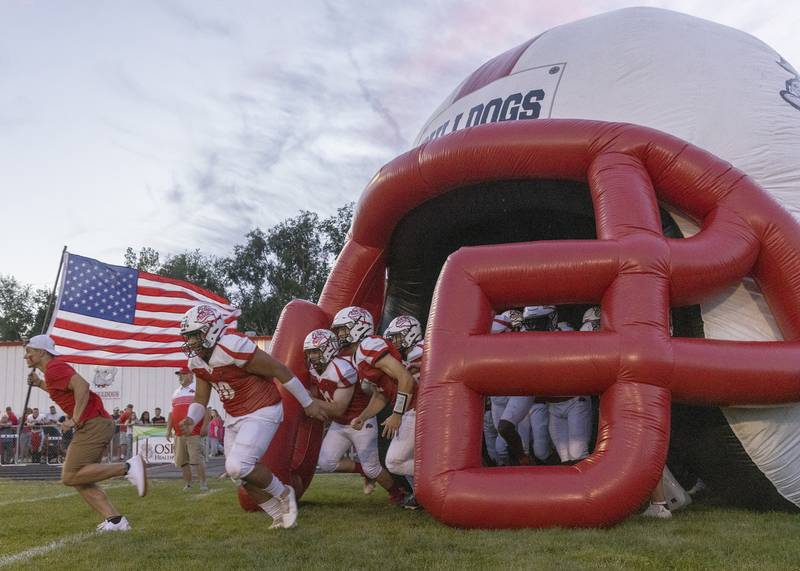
<point x="206" y="271"/>
<point x="17" y="311"/>
<point x="147" y="260"/>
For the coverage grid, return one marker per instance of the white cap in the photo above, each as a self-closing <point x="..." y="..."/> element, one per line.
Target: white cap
<point x="44" y="342"/>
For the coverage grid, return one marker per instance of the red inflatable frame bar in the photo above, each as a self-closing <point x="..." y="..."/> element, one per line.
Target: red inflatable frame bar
<point x="632" y="270"/>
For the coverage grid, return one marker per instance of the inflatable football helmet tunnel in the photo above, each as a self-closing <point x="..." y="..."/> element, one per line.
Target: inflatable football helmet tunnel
<point x="490" y="211"/>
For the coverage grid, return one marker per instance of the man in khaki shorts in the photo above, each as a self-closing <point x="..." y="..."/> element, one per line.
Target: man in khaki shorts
<point x="93" y="431"/>
<point x="188" y="447"/>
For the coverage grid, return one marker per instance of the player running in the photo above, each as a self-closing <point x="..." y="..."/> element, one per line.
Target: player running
<point x="352" y="325"/>
<point x="337" y="381"/>
<point x="93" y="432"/>
<point x="242" y="374"/>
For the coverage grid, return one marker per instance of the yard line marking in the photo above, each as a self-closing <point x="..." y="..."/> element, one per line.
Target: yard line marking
<point x="204" y="494"/>
<point x="29" y="554"/>
<point x="56" y="496"/>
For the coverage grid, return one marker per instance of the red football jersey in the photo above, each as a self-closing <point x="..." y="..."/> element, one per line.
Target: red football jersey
<point x="241" y="392"/>
<point x="369" y="352"/>
<point x="341" y="374"/>
<point x="57" y="374"/>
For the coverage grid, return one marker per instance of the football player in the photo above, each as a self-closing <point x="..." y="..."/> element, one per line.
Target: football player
<point x="523" y="415"/>
<point x="570" y="423"/>
<point x="405" y="335"/>
<point x="351" y="326"/>
<point x="242" y="374"/>
<point x="505" y="322"/>
<point x="378" y="362"/>
<point x="336" y="379"/>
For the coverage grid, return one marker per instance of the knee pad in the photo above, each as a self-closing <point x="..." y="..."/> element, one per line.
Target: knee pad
<point x="237" y="468"/>
<point x="327" y="464"/>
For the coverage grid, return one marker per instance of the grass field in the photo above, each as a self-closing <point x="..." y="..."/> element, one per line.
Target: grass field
<point x="46" y="526"/>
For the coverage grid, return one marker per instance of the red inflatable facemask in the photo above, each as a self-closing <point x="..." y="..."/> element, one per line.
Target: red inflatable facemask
<point x="631" y="270"/>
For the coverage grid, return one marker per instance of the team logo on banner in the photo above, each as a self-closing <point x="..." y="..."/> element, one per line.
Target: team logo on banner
<point x="103" y="380"/>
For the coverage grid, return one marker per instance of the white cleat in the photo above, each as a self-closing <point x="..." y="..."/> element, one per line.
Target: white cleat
<point x="137" y="474"/>
<point x="277" y="523"/>
<point x="369" y="486"/>
<point x="659" y="511"/>
<point x="289" y="509"/>
<point x="106" y="526"/>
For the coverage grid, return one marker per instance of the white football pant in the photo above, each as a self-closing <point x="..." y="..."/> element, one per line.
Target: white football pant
<point x="571" y="427"/>
<point x="338" y="440"/>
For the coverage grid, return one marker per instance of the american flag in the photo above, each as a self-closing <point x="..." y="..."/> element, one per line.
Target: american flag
<point x="113" y="315"/>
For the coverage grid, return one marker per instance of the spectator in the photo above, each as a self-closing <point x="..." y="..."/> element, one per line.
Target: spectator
<point x="125" y="434"/>
<point x="52" y="416"/>
<point x="115" y="439"/>
<point x="216" y="433"/>
<point x="10" y="436"/>
<point x="52" y="435"/>
<point x="25" y="436"/>
<point x="188" y="448"/>
<point x="145" y="418"/>
<point x="158" y="418"/>
<point x="36" y="421"/>
<point x="7" y="439"/>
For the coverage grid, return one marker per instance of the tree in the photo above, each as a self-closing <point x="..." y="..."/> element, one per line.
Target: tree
<point x="147" y="260"/>
<point x="206" y="271"/>
<point x="16" y="309"/>
<point x="336" y="228"/>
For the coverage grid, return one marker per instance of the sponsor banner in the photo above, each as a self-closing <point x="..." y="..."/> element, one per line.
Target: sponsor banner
<point x="152" y="442"/>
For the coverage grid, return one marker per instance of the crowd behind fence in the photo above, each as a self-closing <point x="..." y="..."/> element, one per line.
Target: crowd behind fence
<point x="47" y="444"/>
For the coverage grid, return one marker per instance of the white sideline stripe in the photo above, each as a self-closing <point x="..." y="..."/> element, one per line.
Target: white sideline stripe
<point x="29" y="554"/>
<point x="55" y="497"/>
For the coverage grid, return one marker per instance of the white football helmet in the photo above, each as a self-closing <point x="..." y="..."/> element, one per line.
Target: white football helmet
<point x="514" y="319"/>
<point x="358" y="322"/>
<point x="201" y="328"/>
<point x="592" y="314"/>
<point x="403" y="332"/>
<point x="324" y="341"/>
<point x="540" y="318"/>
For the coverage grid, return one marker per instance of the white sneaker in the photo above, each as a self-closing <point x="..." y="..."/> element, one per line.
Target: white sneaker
<point x="289" y="509"/>
<point x="137" y="474"/>
<point x="203" y="487"/>
<point x="369" y="486"/>
<point x="106" y="526"/>
<point x="659" y="511"/>
<point x="186" y="488"/>
<point x="277" y="523"/>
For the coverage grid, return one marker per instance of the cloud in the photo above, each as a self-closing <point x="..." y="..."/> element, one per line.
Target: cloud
<point x="193" y="21"/>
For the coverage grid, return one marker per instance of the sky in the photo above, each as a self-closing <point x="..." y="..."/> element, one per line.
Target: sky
<point x="181" y="124"/>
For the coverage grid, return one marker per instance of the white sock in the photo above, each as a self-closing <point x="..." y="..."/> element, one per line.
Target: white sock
<point x="275" y="488"/>
<point x="273" y="507"/>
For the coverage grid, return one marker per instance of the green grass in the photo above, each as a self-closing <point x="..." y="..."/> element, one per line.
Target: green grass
<point x="340" y="528"/>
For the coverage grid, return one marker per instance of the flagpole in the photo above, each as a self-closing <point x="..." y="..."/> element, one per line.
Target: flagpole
<point x="22" y="419"/>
